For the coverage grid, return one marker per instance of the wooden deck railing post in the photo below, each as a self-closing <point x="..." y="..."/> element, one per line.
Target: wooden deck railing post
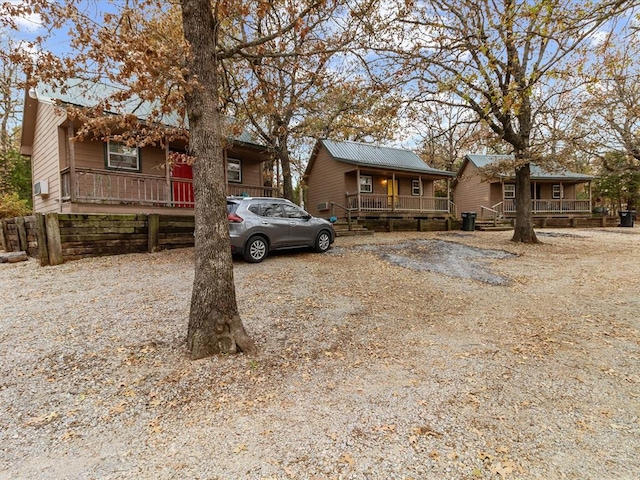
<point x="153" y="224"/>
<point x="41" y="236"/>
<point x="54" y="243"/>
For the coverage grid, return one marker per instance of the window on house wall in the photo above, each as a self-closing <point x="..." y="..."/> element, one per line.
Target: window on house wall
<point x="122" y="157"/>
<point x="366" y="184"/>
<point x="234" y="170"/>
<point x="415" y="187"/>
<point x="557" y="191"/>
<point x="509" y="190"/>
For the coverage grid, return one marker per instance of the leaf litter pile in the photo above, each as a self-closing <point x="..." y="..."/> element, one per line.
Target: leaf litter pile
<point x="371" y="366"/>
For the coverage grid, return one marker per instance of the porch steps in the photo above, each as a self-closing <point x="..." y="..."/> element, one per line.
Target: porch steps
<point x="490" y="226"/>
<point x="342" y="229"/>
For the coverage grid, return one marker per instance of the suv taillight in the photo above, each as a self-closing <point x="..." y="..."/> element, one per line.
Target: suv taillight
<point x="233" y="218"/>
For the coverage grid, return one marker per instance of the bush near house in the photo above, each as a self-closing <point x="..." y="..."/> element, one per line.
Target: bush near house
<point x="11" y="205"/>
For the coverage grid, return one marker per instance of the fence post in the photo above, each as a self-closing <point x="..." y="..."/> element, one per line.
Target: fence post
<point x="153" y="224"/>
<point x="21" y="230"/>
<point x="41" y="235"/>
<point x="4" y="242"/>
<point x="54" y="244"/>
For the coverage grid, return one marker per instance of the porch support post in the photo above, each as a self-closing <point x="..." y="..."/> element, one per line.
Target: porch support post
<point x="73" y="179"/>
<point x="448" y="194"/>
<point x="590" y="199"/>
<point x="358" y="188"/>
<point x="393" y="192"/>
<point x="168" y="200"/>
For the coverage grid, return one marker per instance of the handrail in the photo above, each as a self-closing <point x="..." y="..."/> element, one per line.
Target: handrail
<point x="495" y="213"/>
<point x="348" y="210"/>
<point x="453" y="209"/>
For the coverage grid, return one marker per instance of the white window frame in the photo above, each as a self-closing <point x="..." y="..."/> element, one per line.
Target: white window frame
<point x="122" y="157"/>
<point x="366" y="184"/>
<point x="416" y="188"/>
<point x="556" y="192"/>
<point x="230" y="171"/>
<point x="509" y="190"/>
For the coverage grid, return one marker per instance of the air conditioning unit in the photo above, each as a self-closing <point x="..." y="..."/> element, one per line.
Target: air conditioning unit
<point x="323" y="206"/>
<point x="41" y="187"/>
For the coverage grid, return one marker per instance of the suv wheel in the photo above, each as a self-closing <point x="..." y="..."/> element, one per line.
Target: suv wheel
<point x="323" y="241"/>
<point x="256" y="250"/>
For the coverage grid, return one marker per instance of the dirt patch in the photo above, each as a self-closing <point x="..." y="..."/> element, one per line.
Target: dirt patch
<point x="448" y="258"/>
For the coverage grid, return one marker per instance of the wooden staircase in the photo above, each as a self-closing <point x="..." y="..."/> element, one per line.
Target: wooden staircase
<point x="499" y="225"/>
<point x="344" y="230"/>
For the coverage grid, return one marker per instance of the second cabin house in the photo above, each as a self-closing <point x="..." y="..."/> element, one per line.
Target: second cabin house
<point x="105" y="176"/>
<point x="558" y="193"/>
<point x="359" y="180"/>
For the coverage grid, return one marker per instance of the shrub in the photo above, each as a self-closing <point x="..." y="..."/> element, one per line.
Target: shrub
<point x="11" y="205"/>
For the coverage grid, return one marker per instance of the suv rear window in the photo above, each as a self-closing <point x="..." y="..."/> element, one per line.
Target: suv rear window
<point x="232" y="207"/>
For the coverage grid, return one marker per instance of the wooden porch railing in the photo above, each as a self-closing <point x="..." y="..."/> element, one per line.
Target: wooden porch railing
<point x="398" y="203"/>
<point x="110" y="187"/>
<point x="238" y="189"/>
<point x="551" y="206"/>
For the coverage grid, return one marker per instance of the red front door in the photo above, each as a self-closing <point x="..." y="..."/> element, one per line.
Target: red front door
<point x="182" y="185"/>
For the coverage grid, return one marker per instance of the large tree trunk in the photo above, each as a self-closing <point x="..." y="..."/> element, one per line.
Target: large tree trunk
<point x="523" y="231"/>
<point x="285" y="161"/>
<point x="214" y="321"/>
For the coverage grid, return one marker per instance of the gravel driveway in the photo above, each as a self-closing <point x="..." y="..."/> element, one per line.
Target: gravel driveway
<point x="399" y="356"/>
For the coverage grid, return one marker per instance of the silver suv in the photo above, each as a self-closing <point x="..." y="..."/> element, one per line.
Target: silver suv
<point x="258" y="225"/>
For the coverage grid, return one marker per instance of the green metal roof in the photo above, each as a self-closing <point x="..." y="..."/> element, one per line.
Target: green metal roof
<point x="537" y="173"/>
<point x="83" y="93"/>
<point x="367" y="155"/>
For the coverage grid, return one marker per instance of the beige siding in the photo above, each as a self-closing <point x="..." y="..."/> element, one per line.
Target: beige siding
<point x="497" y="194"/>
<point x="326" y="183"/>
<point x="91" y="154"/>
<point x="251" y="174"/>
<point x="546" y="191"/>
<point x="470" y="192"/>
<point x="45" y="158"/>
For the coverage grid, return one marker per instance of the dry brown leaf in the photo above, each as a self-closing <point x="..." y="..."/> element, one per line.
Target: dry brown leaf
<point x="43" y="419"/>
<point x="347" y="458"/>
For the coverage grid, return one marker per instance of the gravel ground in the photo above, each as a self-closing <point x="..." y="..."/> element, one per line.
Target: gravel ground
<point x="398" y="356"/>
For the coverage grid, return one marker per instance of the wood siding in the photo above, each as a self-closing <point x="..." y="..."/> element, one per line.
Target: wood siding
<point x="91" y="154"/>
<point x="326" y="183"/>
<point x="45" y="157"/>
<point x="470" y="192"/>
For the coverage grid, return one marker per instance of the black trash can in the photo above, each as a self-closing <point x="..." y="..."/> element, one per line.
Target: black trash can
<point x="468" y="221"/>
<point x="627" y="217"/>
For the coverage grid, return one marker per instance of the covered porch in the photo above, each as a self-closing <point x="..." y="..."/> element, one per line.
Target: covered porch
<point x="381" y="194"/>
<point x="549" y="199"/>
